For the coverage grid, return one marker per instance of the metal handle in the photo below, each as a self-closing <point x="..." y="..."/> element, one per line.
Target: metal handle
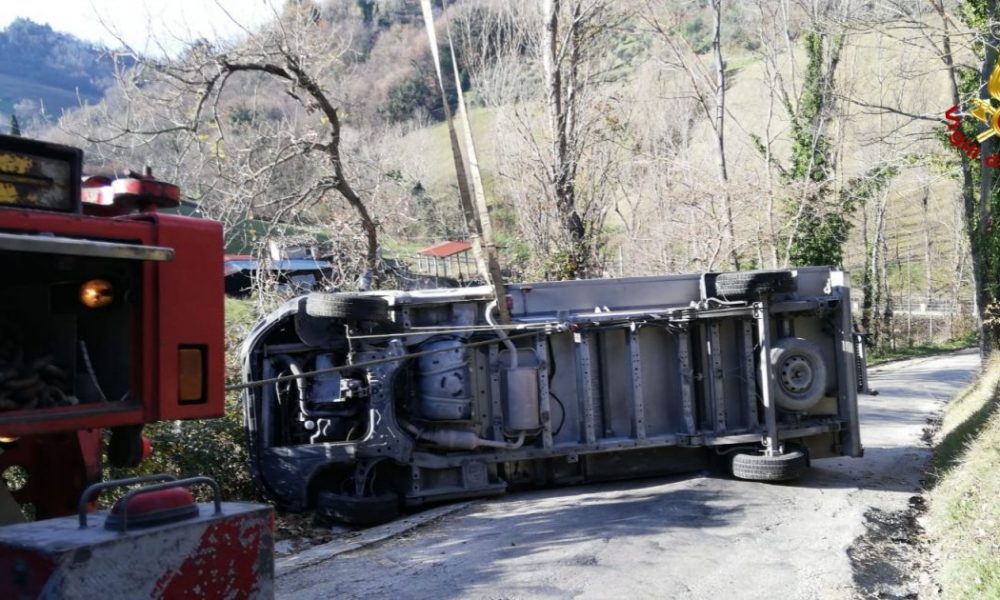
<point x="104" y="485"/>
<point x="124" y="500"/>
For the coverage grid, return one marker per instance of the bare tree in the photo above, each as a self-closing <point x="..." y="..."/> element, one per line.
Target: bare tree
<point x="959" y="49"/>
<point x="709" y="89"/>
<point x="561" y="61"/>
<point x="551" y="75"/>
<point x="571" y="29"/>
<point x="258" y="115"/>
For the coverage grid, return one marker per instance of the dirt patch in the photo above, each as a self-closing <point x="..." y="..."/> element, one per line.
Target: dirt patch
<point x="931" y="430"/>
<point x="294" y="533"/>
<point x="891" y="559"/>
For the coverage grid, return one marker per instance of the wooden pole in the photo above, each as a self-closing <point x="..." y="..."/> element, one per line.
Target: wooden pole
<point x="476" y="214"/>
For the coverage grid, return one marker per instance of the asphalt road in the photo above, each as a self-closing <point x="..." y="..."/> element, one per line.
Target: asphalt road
<point x="687" y="537"/>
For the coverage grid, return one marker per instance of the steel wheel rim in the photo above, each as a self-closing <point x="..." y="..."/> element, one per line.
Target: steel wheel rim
<point x="796" y="374"/>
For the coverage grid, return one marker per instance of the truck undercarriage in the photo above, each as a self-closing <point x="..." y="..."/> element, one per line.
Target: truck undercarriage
<point x="359" y="403"/>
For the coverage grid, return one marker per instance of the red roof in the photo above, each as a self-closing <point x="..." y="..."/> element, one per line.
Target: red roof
<point x="445" y="249"/>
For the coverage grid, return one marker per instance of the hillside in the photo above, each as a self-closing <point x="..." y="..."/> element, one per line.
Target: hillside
<point x="908" y="216"/>
<point x="45" y="72"/>
<point x="647" y="178"/>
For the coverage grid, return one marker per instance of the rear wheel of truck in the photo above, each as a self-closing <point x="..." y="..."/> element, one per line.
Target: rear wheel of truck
<point x="760" y="467"/>
<point x="351" y="307"/>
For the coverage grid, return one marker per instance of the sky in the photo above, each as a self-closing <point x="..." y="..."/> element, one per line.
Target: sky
<point x="173" y="21"/>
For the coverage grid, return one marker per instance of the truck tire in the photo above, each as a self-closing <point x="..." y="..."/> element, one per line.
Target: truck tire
<point x="748" y="285"/>
<point x="319" y="331"/>
<point x="799" y="372"/>
<point x="351" y="307"/>
<point x="760" y="467"/>
<point x="353" y="510"/>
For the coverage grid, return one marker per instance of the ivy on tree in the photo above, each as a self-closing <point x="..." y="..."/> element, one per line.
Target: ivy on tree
<point x="823" y="218"/>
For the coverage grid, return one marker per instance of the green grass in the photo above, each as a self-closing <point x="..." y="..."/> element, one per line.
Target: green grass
<point x="964" y="418"/>
<point x="434" y="147"/>
<point x="964" y="513"/>
<point x="966" y="341"/>
<point x="403" y="248"/>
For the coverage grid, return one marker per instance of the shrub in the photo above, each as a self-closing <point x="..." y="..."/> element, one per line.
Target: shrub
<point x="212" y="447"/>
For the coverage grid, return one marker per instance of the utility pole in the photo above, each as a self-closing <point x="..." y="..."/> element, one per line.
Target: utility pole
<point x="476" y="214"/>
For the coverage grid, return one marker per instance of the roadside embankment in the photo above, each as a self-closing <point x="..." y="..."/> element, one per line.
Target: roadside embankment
<point x="964" y="514"/>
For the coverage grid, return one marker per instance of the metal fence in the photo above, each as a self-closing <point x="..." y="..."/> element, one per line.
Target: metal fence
<point x="929" y="307"/>
<point x="917" y="320"/>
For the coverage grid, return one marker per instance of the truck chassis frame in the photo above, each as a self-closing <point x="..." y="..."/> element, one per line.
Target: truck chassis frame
<point x="357" y="402"/>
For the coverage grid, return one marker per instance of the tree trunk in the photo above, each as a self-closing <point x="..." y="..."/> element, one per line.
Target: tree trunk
<point x="968" y="185"/>
<point x="368" y="225"/>
<point x="983" y="295"/>
<point x="885" y="323"/>
<point x="872" y="284"/>
<point x="720" y="142"/>
<point x="561" y="86"/>
<point x="928" y="288"/>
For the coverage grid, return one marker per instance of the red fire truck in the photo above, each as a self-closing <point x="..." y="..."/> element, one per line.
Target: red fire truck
<point x="111" y="317"/>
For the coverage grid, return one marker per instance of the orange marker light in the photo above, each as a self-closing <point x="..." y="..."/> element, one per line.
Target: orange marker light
<point x="96" y="293"/>
<point x="190" y="375"/>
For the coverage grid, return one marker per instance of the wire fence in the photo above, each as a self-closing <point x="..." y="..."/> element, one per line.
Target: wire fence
<point x="929" y="307"/>
<point x="921" y="320"/>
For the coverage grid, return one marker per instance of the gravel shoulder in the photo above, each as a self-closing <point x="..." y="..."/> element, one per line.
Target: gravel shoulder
<point x="687" y="537"/>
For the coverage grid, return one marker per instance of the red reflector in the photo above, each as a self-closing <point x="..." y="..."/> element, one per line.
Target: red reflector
<point x="154" y="508"/>
<point x="147" y="448"/>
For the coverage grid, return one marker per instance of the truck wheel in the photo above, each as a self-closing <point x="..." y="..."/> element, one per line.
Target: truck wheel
<point x="760" y="467"/>
<point x="352" y="307"/>
<point x="319" y="331"/>
<point x="748" y="285"/>
<point x="800" y="373"/>
<point x="352" y="510"/>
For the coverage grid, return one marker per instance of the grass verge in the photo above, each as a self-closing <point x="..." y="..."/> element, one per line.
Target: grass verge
<point x="967" y="341"/>
<point x="964" y="516"/>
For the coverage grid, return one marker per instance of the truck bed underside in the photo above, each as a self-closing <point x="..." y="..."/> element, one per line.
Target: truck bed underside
<point x="426" y="399"/>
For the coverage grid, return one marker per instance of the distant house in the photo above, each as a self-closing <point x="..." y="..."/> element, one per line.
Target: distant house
<point x="447" y="259"/>
<point x="246" y="236"/>
<point x="299" y="275"/>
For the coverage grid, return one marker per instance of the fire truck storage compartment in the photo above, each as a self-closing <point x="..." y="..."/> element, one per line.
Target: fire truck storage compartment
<point x="54" y="350"/>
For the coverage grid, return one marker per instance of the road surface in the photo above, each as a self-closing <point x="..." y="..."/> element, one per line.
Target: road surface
<point x="683" y="537"/>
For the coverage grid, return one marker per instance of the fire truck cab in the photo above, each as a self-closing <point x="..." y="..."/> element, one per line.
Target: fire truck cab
<point x="111" y="316"/>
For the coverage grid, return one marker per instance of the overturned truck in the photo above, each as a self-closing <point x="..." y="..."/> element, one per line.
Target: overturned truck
<point x="358" y="404"/>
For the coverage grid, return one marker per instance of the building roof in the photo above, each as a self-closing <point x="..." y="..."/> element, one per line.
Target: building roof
<point x="445" y="249"/>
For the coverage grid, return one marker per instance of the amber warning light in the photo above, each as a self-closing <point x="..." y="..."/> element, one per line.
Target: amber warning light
<point x="96" y="293"/>
<point x="191" y="374"/>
